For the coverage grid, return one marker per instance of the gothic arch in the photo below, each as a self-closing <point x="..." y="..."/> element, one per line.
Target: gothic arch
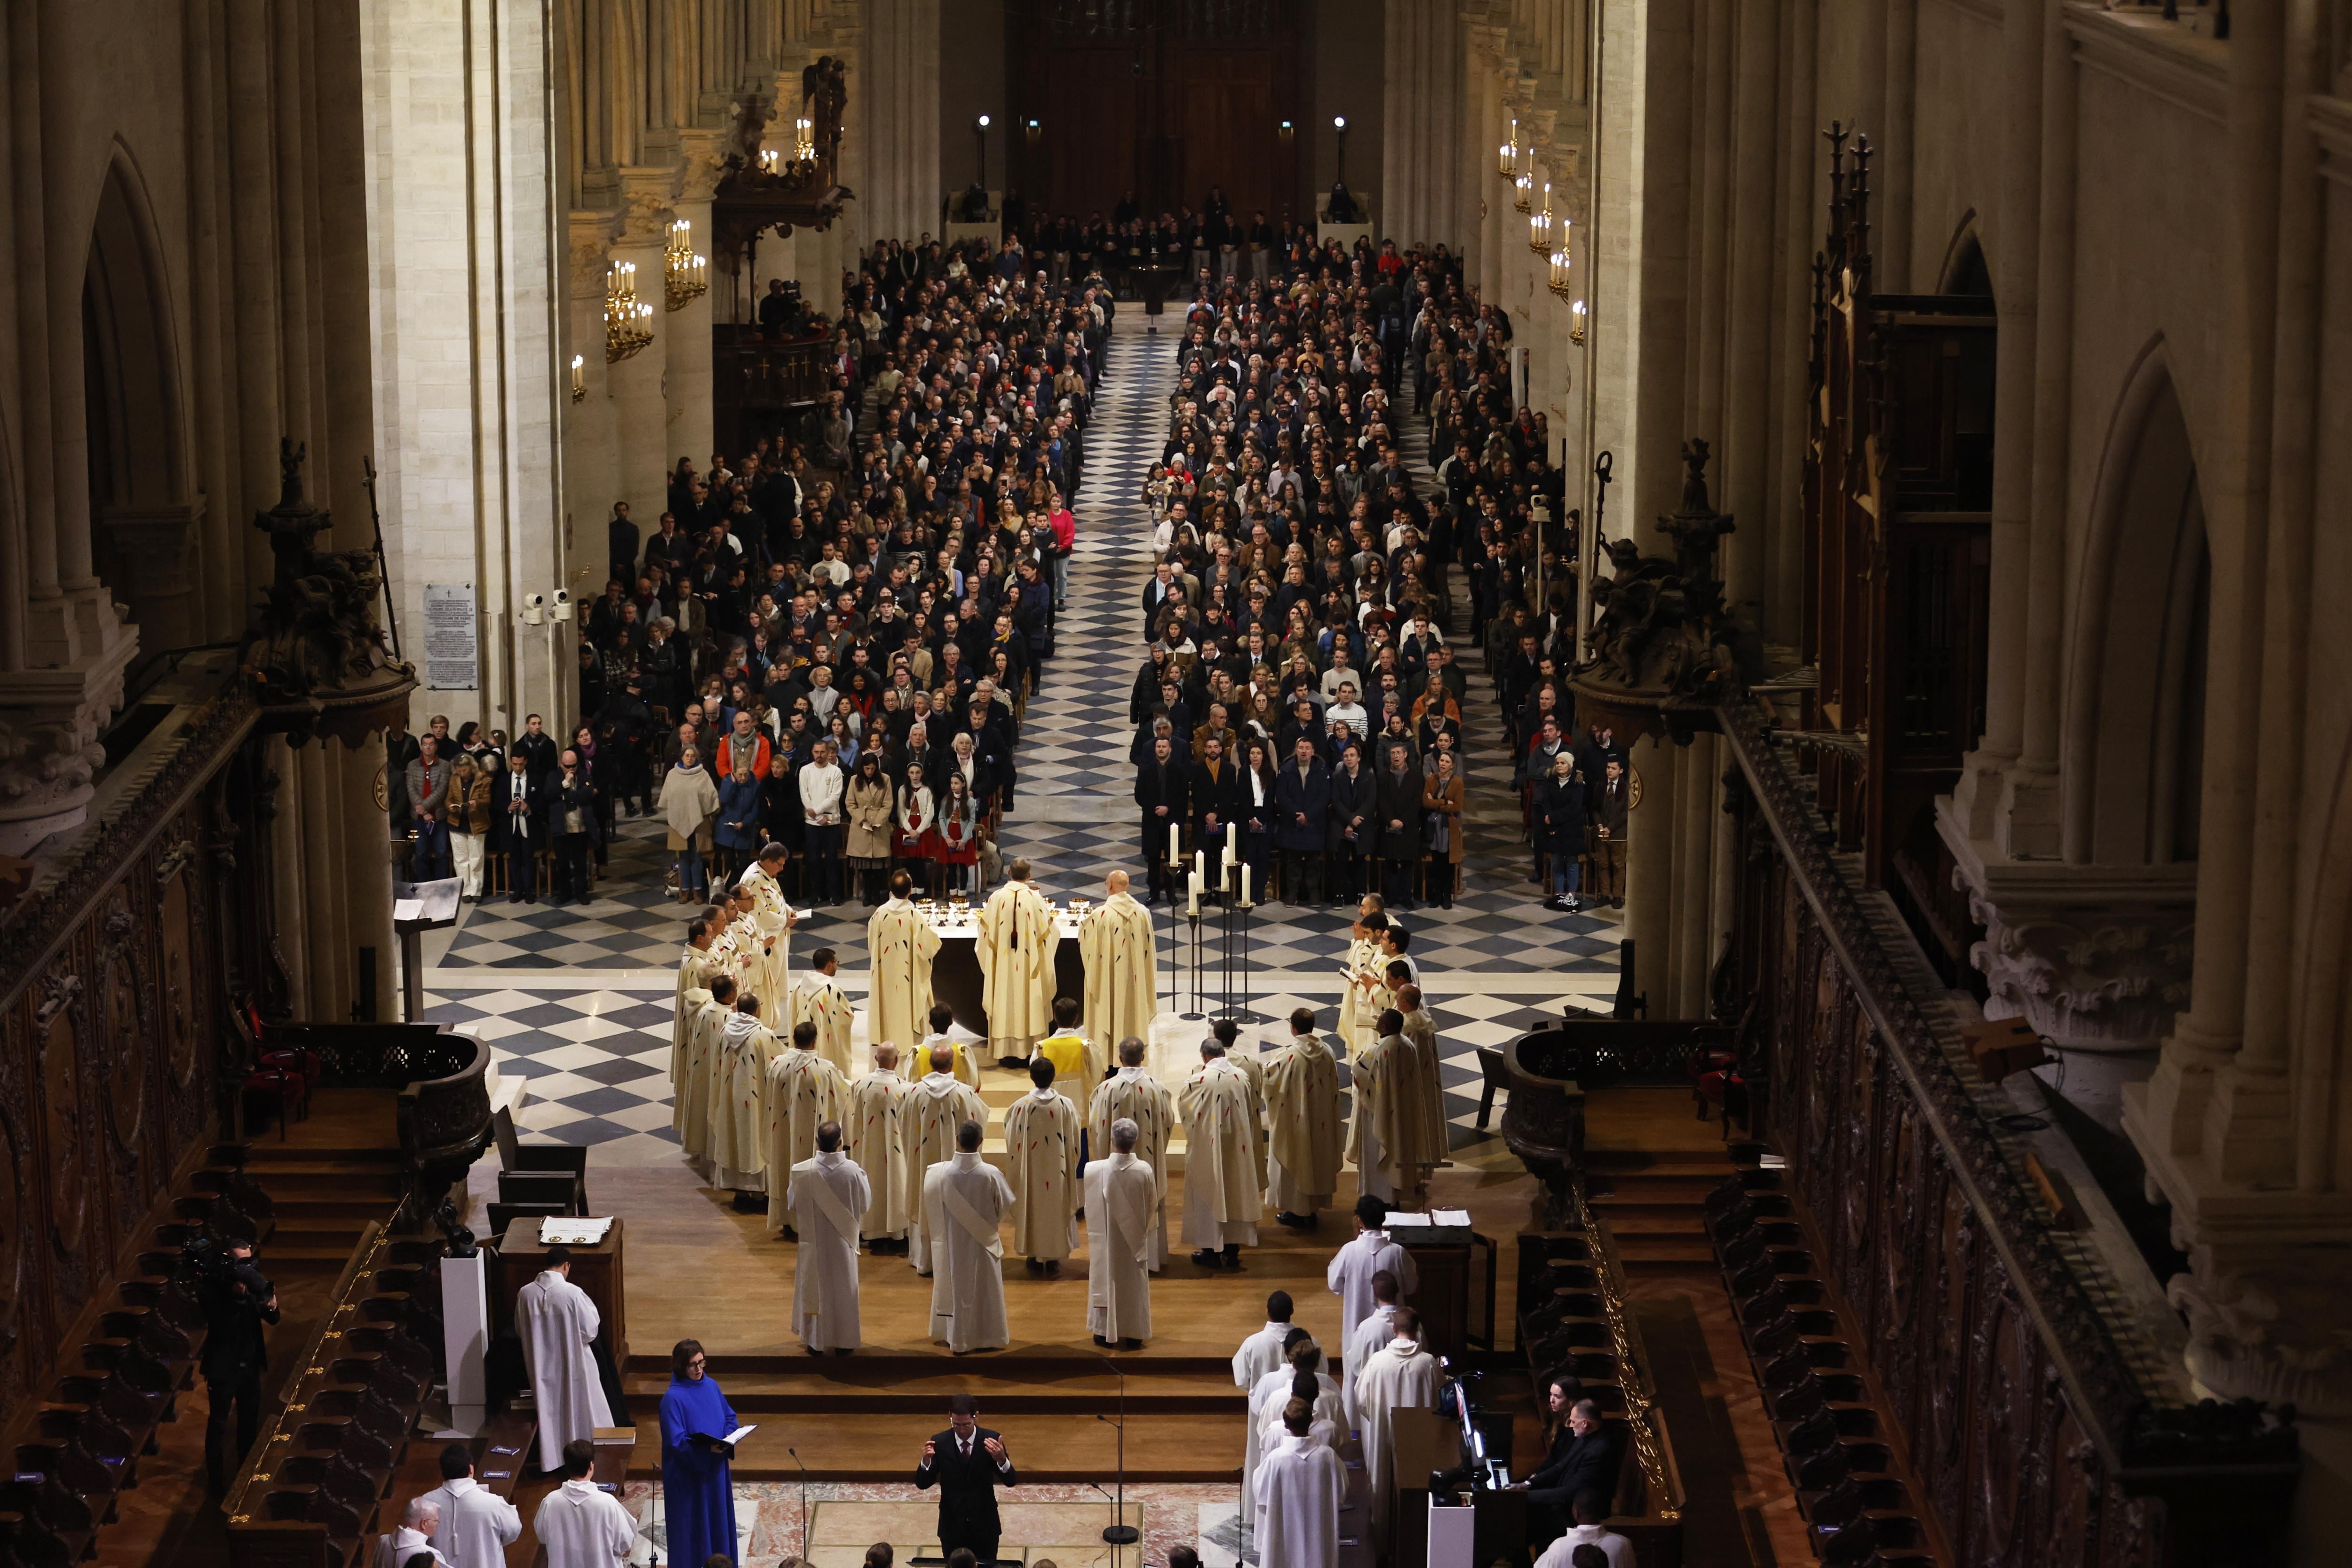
<point x="138" y="455"/>
<point x="1965" y="269"/>
<point x="2132" y="746"/>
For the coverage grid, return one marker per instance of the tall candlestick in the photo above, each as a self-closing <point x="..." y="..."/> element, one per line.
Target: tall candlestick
<point x="1192" y="896"/>
<point x="1230" y="856"/>
<point x="1200" y="865"/>
<point x="1245" y="897"/>
<point x="1175" y="843"/>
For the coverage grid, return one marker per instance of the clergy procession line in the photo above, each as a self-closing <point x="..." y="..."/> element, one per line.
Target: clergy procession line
<point x="770" y="1106"/>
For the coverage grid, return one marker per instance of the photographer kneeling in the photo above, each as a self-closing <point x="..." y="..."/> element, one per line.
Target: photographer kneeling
<point x="238" y="1299"/>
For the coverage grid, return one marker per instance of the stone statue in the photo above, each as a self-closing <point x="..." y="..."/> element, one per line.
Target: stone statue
<point x="1662" y="627"/>
<point x="316" y="629"/>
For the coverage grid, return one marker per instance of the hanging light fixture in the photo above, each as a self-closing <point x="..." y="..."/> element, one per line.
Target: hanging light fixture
<point x="626" y="328"/>
<point x="1576" y="323"/>
<point x="685" y="275"/>
<point x="1540" y="226"/>
<point x="1507" y="161"/>
<point x="804" y="139"/>
<point x="1563" y="260"/>
<point x="1524" y="190"/>
<point x="579" y="378"/>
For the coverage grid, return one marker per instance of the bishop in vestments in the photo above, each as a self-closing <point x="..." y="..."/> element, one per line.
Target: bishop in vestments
<point x="1122" y="967"/>
<point x="818" y="999"/>
<point x="828" y="1196"/>
<point x="936" y="1105"/>
<point x="964" y="1200"/>
<point x="900" y="945"/>
<point x="1016" y="964"/>
<point x="1403" y="1376"/>
<point x="738" y="1093"/>
<point x="557" y="1323"/>
<point x="1041" y="1155"/>
<point x="1121" y="1197"/>
<point x="871" y="1126"/>
<point x="1387" y="1136"/>
<point x="1136" y="1095"/>
<point x="804" y="1092"/>
<point x="1224" y="1175"/>
<point x="1302" y="1114"/>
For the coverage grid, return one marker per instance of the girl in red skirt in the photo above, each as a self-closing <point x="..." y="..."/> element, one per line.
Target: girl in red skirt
<point x="915" y="835"/>
<point x="958" y="834"/>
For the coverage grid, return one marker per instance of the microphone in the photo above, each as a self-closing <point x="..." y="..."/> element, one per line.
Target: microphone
<point x="795" y="1453"/>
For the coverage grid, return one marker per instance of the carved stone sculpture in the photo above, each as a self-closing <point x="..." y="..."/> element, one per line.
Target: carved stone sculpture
<point x="1663" y="631"/>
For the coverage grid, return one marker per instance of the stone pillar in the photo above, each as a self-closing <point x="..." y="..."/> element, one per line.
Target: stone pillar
<point x="592" y="468"/>
<point x="1650" y="890"/>
<point x="686" y="337"/>
<point x="640" y="410"/>
<point x="901" y="93"/>
<point x="1692" y="944"/>
<point x="1421" y="121"/>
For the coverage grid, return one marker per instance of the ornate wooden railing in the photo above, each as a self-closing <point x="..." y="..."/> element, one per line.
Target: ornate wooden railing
<point x="444" y="1111"/>
<point x="2046" y="1424"/>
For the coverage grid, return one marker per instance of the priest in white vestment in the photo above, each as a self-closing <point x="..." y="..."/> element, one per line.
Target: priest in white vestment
<point x="872" y="1125"/>
<point x="1387" y="1135"/>
<point x="1015" y="949"/>
<point x="1262" y="1352"/>
<point x="1420" y="1030"/>
<point x="738" y="1096"/>
<point x="707" y="1011"/>
<point x="695" y="967"/>
<point x="1362" y="969"/>
<point x="937" y="1104"/>
<point x="1350" y="1275"/>
<point x="804" y="1091"/>
<point x="964" y="1200"/>
<point x="1400" y="1376"/>
<point x="828" y="1196"/>
<point x="1300" y="1489"/>
<point x="1122" y="964"/>
<point x="1224" y="1175"/>
<point x="900" y="945"/>
<point x="476" y="1525"/>
<point x="773" y="919"/>
<point x="557" y="1322"/>
<point x="1302" y="1130"/>
<point x="581" y="1524"/>
<point x="1134" y="1094"/>
<point x="411" y="1537"/>
<point x="1041" y="1158"/>
<point x="818" y="999"/>
<point x="1121" y="1198"/>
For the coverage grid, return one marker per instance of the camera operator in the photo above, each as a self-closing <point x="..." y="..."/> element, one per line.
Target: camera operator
<point x="238" y="1299"/>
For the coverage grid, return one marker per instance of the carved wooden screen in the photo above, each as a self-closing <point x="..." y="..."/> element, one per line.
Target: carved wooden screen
<point x="1898" y="491"/>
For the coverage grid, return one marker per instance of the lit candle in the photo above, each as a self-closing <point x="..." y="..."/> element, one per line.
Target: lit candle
<point x="1245" y="897"/>
<point x="1175" y="843"/>
<point x="1193" y="896"/>
<point x="1200" y="865"/>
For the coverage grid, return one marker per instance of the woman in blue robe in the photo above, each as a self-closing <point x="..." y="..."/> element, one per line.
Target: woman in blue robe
<point x="698" y="1493"/>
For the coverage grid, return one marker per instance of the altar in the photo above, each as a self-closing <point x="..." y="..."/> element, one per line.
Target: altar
<point x="956" y="980"/>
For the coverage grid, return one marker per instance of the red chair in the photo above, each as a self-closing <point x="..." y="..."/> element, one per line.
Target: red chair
<point x="296" y="1061"/>
<point x="289" y="1087"/>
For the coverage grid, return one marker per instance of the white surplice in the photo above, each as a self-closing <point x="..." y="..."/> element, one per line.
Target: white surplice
<point x="584" y="1526"/>
<point x="557" y="1322"/>
<point x="397" y="1545"/>
<point x="1350" y="1278"/>
<point x="935" y="1106"/>
<point x="964" y="1200"/>
<point x="1266" y="1398"/>
<point x="1121" y="1198"/>
<point x="1298" y="1491"/>
<point x="826" y="1193"/>
<point x="1259" y="1354"/>
<point x="1363" y="1341"/>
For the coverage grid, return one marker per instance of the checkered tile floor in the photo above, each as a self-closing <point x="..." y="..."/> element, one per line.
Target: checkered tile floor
<point x="596" y="1052"/>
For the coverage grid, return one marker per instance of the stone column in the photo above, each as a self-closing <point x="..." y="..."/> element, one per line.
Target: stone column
<point x="686" y="336"/>
<point x="901" y="91"/>
<point x="1421" y="121"/>
<point x="591" y="468"/>
<point x="1650" y="889"/>
<point x="642" y="432"/>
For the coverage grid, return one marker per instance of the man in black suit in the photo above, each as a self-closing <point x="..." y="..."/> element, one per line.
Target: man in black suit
<point x="1585" y="1458"/>
<point x="967" y="1462"/>
<point x="520" y="806"/>
<point x="1162" y="795"/>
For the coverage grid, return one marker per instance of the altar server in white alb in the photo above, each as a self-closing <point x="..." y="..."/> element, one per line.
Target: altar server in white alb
<point x="964" y="1200"/>
<point x="581" y="1524"/>
<point x="1401" y="1376"/>
<point x="936" y="1106"/>
<point x="1134" y="1094"/>
<point x="1299" y="1490"/>
<point x="827" y="1195"/>
<point x="1120" y="1200"/>
<point x="1262" y="1352"/>
<point x="476" y="1525"/>
<point x="557" y="1324"/>
<point x="1301" y="1357"/>
<point x="1350" y="1278"/>
<point x="1122" y="969"/>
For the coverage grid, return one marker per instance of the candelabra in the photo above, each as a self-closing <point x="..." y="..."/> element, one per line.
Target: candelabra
<point x="685" y="275"/>
<point x="1563" y="260"/>
<point x="804" y="139"/>
<point x="1506" y="160"/>
<point x="1576" y="323"/>
<point x="1524" y="190"/>
<point x="579" y="378"/>
<point x="1540" y="226"/>
<point x="625" y="330"/>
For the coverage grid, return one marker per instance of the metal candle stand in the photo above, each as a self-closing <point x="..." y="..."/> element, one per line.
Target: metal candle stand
<point x="1200" y="1009"/>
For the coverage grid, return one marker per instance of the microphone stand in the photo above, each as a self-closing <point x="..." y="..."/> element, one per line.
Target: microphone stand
<point x="795" y="1453"/>
<point x="1120" y="1533"/>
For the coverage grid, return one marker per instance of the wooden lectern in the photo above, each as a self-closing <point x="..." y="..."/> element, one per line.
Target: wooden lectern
<point x="595" y="1270"/>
